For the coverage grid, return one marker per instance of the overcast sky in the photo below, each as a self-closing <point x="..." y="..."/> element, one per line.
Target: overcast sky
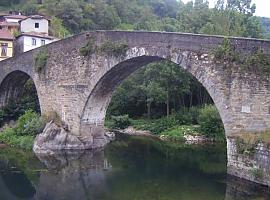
<point x="263" y="7"/>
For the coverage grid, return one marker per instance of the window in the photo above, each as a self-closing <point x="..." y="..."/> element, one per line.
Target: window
<point x="34" y="42"/>
<point x="42" y="42"/>
<point x="4" y="49"/>
<point x="36" y="25"/>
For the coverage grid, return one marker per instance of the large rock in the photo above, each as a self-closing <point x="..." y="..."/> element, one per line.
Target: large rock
<point x="54" y="139"/>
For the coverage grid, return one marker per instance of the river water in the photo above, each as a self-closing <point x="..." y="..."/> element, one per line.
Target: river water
<point x="130" y="168"/>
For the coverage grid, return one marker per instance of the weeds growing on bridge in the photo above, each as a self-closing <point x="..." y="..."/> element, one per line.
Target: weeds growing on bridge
<point x="256" y="173"/>
<point x="41" y="60"/>
<point x="110" y="48"/>
<point x="116" y="49"/>
<point x="246" y="143"/>
<point x="256" y="62"/>
<point x="89" y="48"/>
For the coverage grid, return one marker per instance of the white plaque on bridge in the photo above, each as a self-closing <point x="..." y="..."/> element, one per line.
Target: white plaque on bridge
<point x="246" y="109"/>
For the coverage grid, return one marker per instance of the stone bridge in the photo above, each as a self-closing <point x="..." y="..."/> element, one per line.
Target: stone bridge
<point x="79" y="87"/>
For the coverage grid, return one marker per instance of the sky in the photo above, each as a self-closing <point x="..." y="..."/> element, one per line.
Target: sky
<point x="263" y="7"/>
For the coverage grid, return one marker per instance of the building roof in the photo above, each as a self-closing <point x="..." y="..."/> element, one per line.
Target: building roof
<point x="36" y="34"/>
<point x="6" y="35"/>
<point x="35" y="17"/>
<point x="5" y="23"/>
<point x="16" y="16"/>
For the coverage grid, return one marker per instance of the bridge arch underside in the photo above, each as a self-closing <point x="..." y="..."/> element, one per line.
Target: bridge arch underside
<point x="12" y="87"/>
<point x="93" y="117"/>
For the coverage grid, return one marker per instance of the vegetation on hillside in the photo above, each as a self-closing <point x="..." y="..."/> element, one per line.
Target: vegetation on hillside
<point x="73" y="16"/>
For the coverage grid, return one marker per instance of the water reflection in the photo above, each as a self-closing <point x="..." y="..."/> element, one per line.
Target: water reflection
<point x="127" y="169"/>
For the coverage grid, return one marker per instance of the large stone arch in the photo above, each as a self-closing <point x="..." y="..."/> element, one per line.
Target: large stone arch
<point x="202" y="67"/>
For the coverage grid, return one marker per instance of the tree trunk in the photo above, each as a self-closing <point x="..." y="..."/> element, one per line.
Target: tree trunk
<point x="190" y="100"/>
<point x="168" y="104"/>
<point x="149" y="110"/>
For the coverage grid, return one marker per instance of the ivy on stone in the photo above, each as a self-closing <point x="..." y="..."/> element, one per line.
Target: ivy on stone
<point x="41" y="60"/>
<point x="255" y="62"/>
<point x="110" y="48"/>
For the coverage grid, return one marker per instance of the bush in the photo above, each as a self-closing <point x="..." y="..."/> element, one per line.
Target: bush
<point x="89" y="48"/>
<point x="53" y="116"/>
<point x="114" y="48"/>
<point x="41" y="60"/>
<point x="9" y="136"/>
<point x="29" y="124"/>
<point x="120" y="122"/>
<point x="210" y="123"/>
<point x="184" y="117"/>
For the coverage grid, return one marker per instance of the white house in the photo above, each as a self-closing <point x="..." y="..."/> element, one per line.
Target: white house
<point x="34" y="33"/>
<point x="32" y="40"/>
<point x="35" y="23"/>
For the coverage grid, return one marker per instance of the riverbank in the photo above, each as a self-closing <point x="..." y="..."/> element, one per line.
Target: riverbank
<point x="187" y="134"/>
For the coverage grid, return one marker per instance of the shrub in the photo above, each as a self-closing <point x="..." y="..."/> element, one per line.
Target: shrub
<point x="9" y="136"/>
<point x="89" y="48"/>
<point x="184" y="117"/>
<point x="52" y="116"/>
<point x="121" y="122"/>
<point x="41" y="60"/>
<point x="114" y="48"/>
<point x="29" y="124"/>
<point x="210" y="123"/>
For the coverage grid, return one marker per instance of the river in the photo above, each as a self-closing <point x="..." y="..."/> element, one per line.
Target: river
<point x="130" y="168"/>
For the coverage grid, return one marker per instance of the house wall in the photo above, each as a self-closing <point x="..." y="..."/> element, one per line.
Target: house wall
<point x="9" y="49"/>
<point x="26" y="42"/>
<point x="28" y="25"/>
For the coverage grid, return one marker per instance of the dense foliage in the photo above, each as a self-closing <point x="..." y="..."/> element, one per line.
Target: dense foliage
<point x="28" y="100"/>
<point x="210" y="123"/>
<point x="22" y="135"/>
<point x="73" y="16"/>
<point x="156" y="90"/>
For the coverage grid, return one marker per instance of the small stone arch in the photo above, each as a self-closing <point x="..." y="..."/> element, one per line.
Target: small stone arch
<point x="12" y="85"/>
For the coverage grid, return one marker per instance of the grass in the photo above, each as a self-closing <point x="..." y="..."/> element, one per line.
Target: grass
<point x="156" y="126"/>
<point x="178" y="132"/>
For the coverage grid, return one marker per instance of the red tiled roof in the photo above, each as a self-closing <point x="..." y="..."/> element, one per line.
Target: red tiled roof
<point x="6" y="35"/>
<point x="36" y="34"/>
<point x="15" y="16"/>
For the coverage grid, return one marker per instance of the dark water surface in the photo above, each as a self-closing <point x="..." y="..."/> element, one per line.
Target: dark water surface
<point x="129" y="169"/>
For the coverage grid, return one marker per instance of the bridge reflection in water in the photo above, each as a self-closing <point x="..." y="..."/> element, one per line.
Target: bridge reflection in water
<point x="129" y="169"/>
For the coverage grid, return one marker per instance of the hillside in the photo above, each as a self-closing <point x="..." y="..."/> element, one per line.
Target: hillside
<point x="265" y="26"/>
<point x="73" y="16"/>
